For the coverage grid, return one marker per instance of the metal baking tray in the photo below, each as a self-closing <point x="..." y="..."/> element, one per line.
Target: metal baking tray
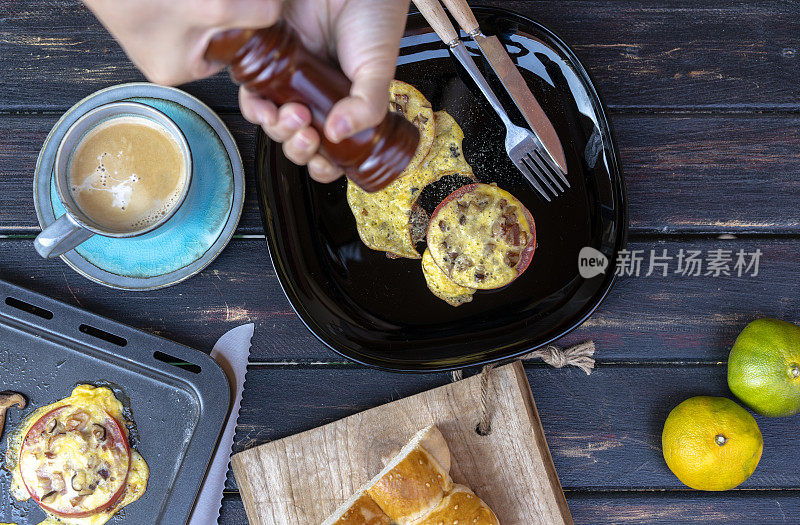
<point x="177" y="396"/>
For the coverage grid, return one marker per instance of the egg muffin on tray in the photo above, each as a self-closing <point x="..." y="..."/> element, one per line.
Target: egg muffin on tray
<point x="74" y="459"/>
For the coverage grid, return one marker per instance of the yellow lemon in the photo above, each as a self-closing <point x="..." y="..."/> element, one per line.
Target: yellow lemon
<point x="711" y="443"/>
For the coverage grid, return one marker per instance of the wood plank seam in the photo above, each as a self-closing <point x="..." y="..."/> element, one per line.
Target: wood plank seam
<point x="711" y="110"/>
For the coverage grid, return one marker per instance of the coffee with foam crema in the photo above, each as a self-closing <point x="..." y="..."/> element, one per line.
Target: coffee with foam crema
<point x="127" y="173"/>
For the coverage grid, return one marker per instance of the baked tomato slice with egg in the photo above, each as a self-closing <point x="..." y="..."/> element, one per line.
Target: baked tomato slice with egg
<point x="74" y="462"/>
<point x="481" y="236"/>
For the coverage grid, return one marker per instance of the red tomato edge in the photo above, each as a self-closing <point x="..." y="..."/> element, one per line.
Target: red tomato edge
<point x="526" y="255"/>
<point x="114" y="498"/>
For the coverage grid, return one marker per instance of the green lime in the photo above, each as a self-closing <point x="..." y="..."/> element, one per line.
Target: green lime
<point x="764" y="367"/>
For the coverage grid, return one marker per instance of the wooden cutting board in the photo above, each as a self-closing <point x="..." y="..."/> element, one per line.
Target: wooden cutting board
<point x="301" y="479"/>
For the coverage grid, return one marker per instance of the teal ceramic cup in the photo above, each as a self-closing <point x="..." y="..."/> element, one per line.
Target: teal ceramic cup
<point x="75" y="227"/>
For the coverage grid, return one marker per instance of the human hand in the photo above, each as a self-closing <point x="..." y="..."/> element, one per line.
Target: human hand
<point x="166" y="40"/>
<point x="364" y="35"/>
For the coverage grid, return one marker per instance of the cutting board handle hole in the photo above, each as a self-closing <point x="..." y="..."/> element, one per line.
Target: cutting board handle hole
<point x="174" y="361"/>
<point x="102" y="334"/>
<point x="28" y="307"/>
<point x="483" y="431"/>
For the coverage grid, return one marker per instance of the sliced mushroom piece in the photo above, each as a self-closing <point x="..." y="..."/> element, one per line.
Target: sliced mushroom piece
<point x="513" y="234"/>
<point x="482" y="201"/>
<point x="44" y="482"/>
<point x="80" y="485"/>
<point x="498" y="227"/>
<point x="396" y="108"/>
<point x="399" y="104"/>
<point x="7" y="400"/>
<point x="511" y="259"/>
<point x="58" y="481"/>
<point x="77" y="421"/>
<point x="52" y="427"/>
<point x="54" y="441"/>
<point x="99" y="432"/>
<point x="462" y="262"/>
<point x="78" y="481"/>
<point x="50" y="496"/>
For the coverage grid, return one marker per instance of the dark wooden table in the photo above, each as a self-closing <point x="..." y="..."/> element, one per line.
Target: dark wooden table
<point x="705" y="101"/>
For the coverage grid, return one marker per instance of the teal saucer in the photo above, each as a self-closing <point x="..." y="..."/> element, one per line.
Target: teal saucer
<point x="200" y="228"/>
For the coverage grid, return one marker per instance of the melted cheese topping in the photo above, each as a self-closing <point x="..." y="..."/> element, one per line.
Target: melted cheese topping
<point x="446" y="152"/>
<point x="383" y="218"/>
<point x="441" y="286"/>
<point x="410" y="103"/>
<point x="75" y="453"/>
<point x="478" y="238"/>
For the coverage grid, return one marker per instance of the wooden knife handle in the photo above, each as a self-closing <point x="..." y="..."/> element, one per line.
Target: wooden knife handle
<point x="434" y="13"/>
<point x="463" y="14"/>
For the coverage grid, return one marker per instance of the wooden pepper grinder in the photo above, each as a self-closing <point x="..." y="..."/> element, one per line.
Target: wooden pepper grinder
<point x="273" y="63"/>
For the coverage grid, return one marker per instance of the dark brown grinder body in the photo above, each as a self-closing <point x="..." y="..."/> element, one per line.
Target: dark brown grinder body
<point x="273" y="63"/>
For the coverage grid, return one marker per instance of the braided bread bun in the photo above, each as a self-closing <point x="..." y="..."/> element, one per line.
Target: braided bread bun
<point x="415" y="488"/>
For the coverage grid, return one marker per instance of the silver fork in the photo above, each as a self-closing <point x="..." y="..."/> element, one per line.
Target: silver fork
<point x="524" y="148"/>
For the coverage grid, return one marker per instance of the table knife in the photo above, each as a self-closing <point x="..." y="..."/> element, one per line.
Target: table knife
<point x="231" y="352"/>
<point x="497" y="56"/>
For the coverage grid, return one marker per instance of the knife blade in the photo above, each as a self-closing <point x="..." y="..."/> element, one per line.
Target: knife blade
<point x="231" y="352"/>
<point x="497" y="56"/>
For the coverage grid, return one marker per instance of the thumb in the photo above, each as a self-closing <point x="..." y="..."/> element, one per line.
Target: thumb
<point x="367" y="35"/>
<point x="365" y="107"/>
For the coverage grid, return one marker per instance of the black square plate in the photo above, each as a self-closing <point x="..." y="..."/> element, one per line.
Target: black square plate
<point x="378" y="311"/>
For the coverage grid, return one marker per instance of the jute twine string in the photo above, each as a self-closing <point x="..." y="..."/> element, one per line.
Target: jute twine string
<point x="580" y="355"/>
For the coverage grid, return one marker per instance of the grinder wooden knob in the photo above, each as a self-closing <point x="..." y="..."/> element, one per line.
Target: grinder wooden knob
<point x="273" y="63"/>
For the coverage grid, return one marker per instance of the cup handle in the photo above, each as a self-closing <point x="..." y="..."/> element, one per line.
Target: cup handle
<point x="60" y="237"/>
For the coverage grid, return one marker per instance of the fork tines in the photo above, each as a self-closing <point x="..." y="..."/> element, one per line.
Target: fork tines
<point x="542" y="173"/>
